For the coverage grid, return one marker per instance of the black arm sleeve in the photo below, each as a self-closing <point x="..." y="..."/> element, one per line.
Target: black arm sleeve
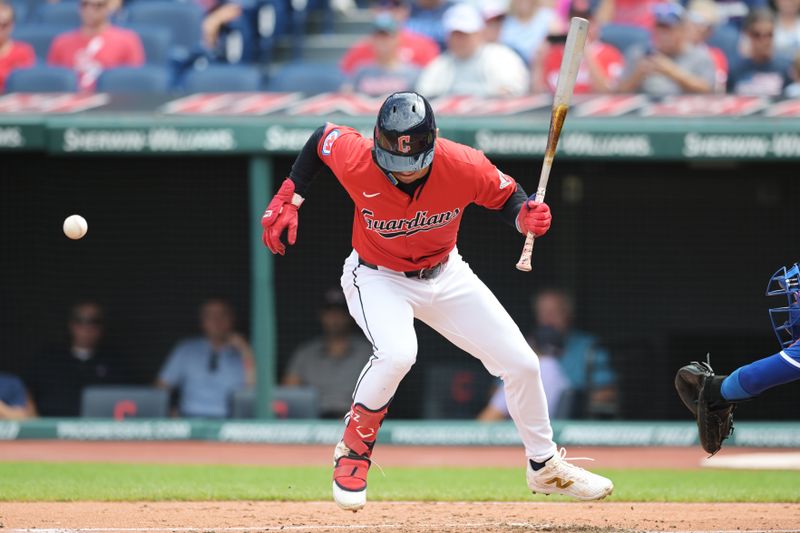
<point x="511" y="208"/>
<point x="308" y="164"/>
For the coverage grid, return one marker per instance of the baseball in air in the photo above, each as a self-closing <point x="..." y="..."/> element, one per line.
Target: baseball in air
<point x="75" y="227"/>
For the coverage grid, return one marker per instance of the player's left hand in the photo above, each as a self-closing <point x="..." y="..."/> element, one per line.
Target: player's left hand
<point x="534" y="217"/>
<point x="281" y="213"/>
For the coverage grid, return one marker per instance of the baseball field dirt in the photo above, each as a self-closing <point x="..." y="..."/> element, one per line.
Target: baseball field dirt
<point x="44" y="515"/>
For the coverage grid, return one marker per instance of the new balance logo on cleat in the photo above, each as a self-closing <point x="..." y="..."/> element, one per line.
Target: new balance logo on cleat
<point x="558" y="482"/>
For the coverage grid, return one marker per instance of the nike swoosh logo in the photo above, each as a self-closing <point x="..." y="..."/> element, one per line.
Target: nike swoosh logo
<point x="373" y="195"/>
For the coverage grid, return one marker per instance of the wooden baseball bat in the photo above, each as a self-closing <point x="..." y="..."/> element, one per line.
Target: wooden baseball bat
<point x="573" y="52"/>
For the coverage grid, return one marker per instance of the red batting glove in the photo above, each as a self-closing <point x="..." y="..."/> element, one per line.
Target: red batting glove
<point x="281" y="213"/>
<point x="534" y="217"/>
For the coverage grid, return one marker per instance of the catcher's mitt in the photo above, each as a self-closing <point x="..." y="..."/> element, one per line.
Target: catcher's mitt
<point x="699" y="389"/>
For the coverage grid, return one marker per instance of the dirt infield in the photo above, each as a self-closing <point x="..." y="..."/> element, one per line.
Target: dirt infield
<point x="277" y="455"/>
<point x="224" y="517"/>
<point x="401" y="517"/>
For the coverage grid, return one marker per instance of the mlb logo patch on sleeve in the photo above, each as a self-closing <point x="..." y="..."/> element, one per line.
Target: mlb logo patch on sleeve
<point x="504" y="181"/>
<point x="327" y="144"/>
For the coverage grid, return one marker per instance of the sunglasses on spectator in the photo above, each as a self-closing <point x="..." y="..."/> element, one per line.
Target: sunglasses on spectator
<point x="95" y="5"/>
<point x="761" y="35"/>
<point x="4" y="25"/>
<point x="87" y="320"/>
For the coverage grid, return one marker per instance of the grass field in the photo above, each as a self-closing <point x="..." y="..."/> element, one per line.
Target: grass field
<point x="119" y="482"/>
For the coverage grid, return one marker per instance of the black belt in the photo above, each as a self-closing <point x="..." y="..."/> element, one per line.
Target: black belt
<point x="423" y="273"/>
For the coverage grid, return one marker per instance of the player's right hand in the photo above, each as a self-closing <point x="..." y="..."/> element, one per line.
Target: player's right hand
<point x="281" y="213"/>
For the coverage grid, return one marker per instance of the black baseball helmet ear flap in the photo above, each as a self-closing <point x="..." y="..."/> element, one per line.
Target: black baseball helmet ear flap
<point x="405" y="133"/>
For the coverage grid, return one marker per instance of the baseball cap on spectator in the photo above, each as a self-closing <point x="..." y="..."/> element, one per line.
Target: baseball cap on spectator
<point x="464" y="18"/>
<point x="704" y="13"/>
<point x="668" y="14"/>
<point x="385" y="23"/>
<point x="492" y="9"/>
<point x="334" y="299"/>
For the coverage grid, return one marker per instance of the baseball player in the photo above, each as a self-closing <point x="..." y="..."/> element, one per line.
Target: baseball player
<point x="712" y="399"/>
<point x="410" y="189"/>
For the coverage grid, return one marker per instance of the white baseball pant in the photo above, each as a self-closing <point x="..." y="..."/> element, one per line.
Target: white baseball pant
<point x="459" y="306"/>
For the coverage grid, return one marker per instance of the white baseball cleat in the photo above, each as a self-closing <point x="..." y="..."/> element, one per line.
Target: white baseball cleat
<point x="561" y="477"/>
<point x="349" y="478"/>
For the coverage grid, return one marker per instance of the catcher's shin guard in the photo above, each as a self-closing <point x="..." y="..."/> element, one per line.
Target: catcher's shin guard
<point x="699" y="390"/>
<point x="351" y="458"/>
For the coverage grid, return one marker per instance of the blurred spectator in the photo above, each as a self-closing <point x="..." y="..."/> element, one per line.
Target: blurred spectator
<point x="793" y="90"/>
<point x="763" y="73"/>
<point x="703" y="18"/>
<point x="494" y="13"/>
<point x="470" y="66"/>
<point x="548" y="345"/>
<point x="733" y="12"/>
<point x="787" y="26"/>
<point x="413" y="47"/>
<point x="15" y="402"/>
<point x="96" y="45"/>
<point x="59" y="374"/>
<point x="426" y="18"/>
<point x="585" y="363"/>
<point x="627" y="12"/>
<point x="217" y="15"/>
<point x="672" y="65"/>
<point x="331" y="363"/>
<point x="600" y="69"/>
<point x="207" y="370"/>
<point x="388" y="73"/>
<point x="13" y="54"/>
<point x="526" y="26"/>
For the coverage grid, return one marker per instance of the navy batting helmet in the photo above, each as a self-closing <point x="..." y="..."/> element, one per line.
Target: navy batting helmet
<point x="404" y="134"/>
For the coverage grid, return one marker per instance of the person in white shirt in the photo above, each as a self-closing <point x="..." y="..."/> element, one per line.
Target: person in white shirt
<point x="787" y="26"/>
<point x="470" y="65"/>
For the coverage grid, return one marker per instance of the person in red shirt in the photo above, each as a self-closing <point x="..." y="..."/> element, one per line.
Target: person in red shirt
<point x="13" y="54"/>
<point x="413" y="48"/>
<point x="95" y="46"/>
<point x="410" y="188"/>
<point x="600" y="69"/>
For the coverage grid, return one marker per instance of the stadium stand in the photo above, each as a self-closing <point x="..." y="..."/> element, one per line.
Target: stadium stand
<point x="157" y="42"/>
<point x="122" y="401"/>
<point x="148" y="79"/>
<point x="181" y="19"/>
<point x="287" y="402"/>
<point x="61" y="14"/>
<point x="42" y="79"/>
<point x="39" y="36"/>
<point x="223" y="78"/>
<point x="310" y="78"/>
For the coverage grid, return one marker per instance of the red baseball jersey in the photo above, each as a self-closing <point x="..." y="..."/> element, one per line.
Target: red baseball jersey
<point x="401" y="232"/>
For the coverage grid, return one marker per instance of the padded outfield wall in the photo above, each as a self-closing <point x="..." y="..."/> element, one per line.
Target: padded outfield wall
<point x="670" y="218"/>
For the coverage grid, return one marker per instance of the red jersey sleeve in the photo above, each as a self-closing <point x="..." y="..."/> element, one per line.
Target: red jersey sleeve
<point x="55" y="55"/>
<point x="492" y="187"/>
<point x="135" y="51"/>
<point x="337" y="148"/>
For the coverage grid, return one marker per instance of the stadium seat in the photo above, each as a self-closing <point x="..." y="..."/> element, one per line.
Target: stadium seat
<point x="39" y="36"/>
<point x="624" y="37"/>
<point x="139" y="80"/>
<point x="21" y="11"/>
<point x="156" y="43"/>
<point x="309" y="78"/>
<point x="287" y="402"/>
<point x="223" y="79"/>
<point x="455" y="391"/>
<point x="183" y="20"/>
<point x="42" y="80"/>
<point x="123" y="401"/>
<point x="726" y="38"/>
<point x="62" y="14"/>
